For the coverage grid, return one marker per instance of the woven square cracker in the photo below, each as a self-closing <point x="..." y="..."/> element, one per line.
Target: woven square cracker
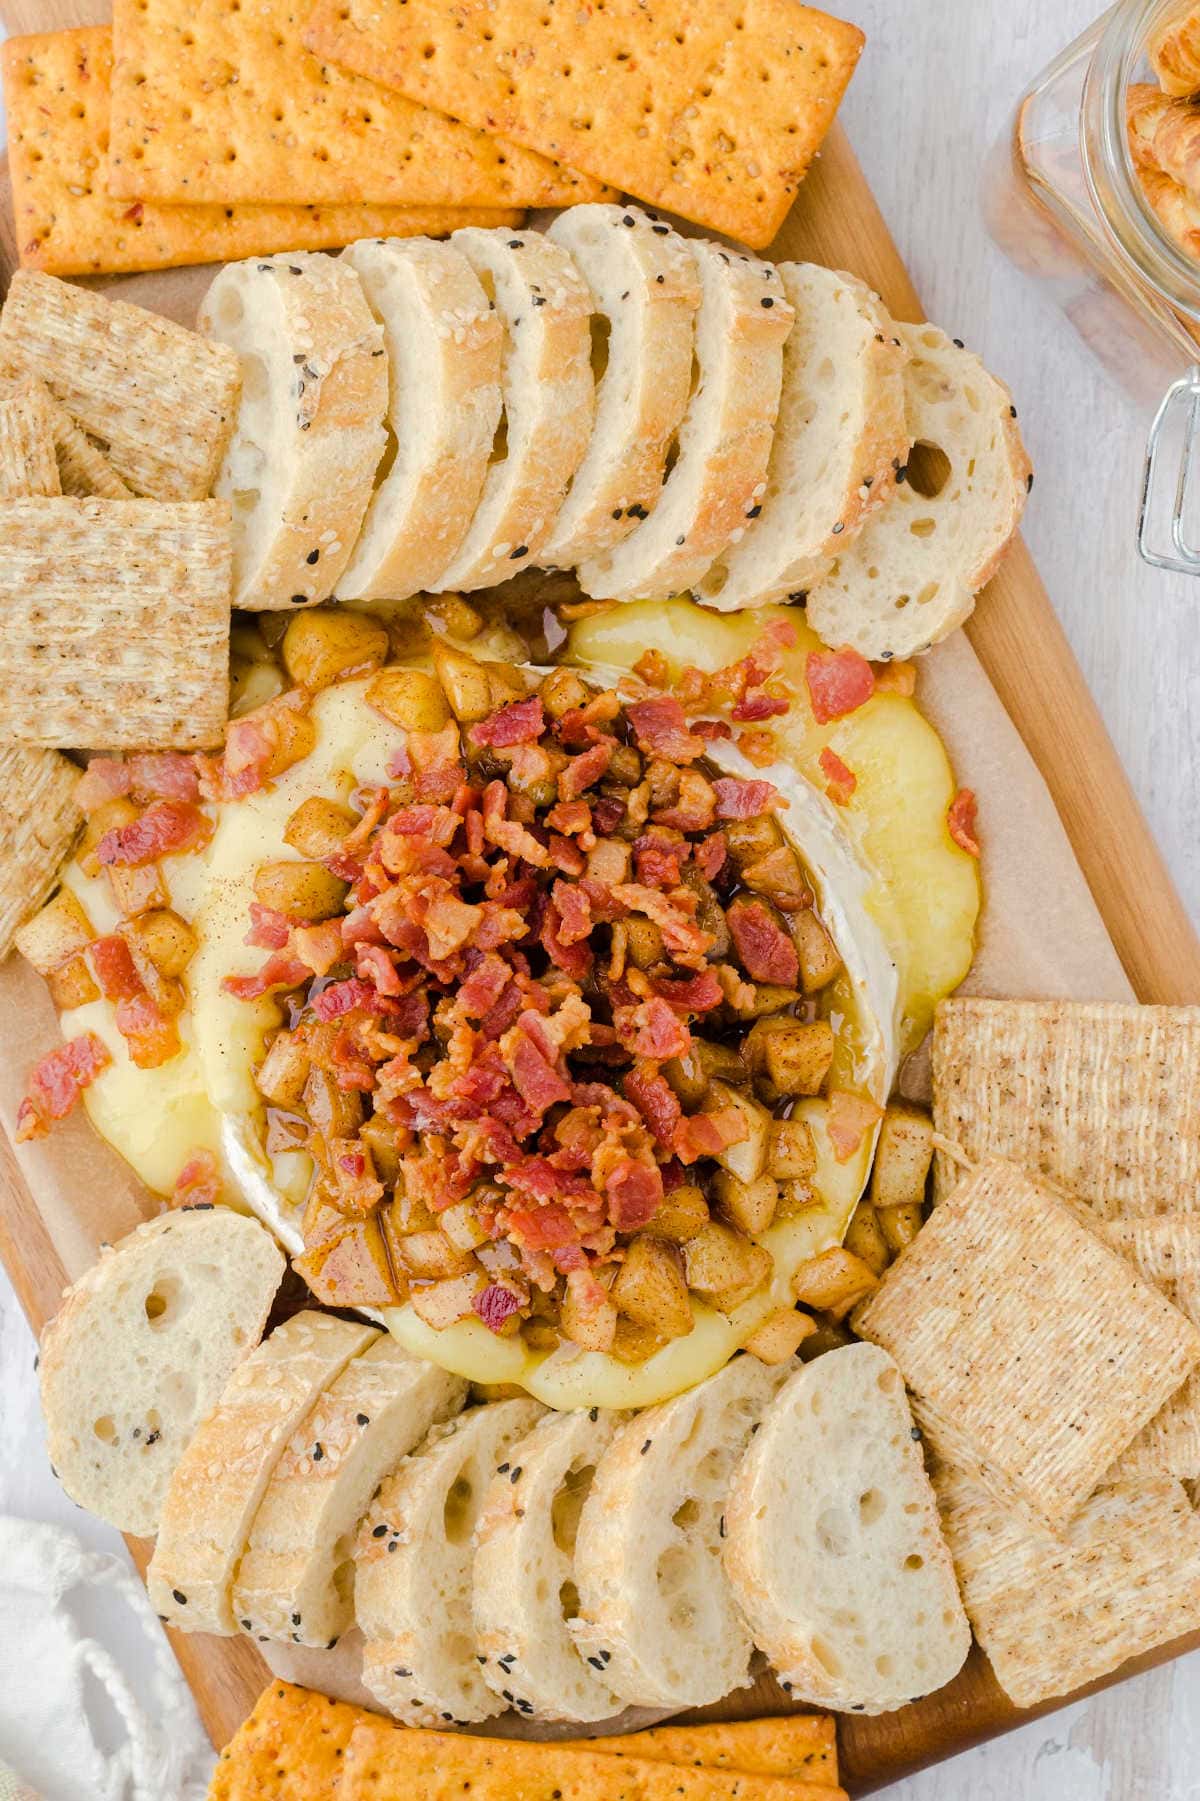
<point x="1034" y="1352"/>
<point x="56" y="89"/>
<point x="290" y="1749"/>
<point x="82" y="468"/>
<point x="213" y="102"/>
<point x="1057" y="1611"/>
<point x="38" y="823"/>
<point x="386" y="1761"/>
<point x="1099" y="1096"/>
<point x="28" y="464"/>
<point x="161" y="399"/>
<point x="1166" y="1251"/>
<point x="114" y="623"/>
<point x="713" y="112"/>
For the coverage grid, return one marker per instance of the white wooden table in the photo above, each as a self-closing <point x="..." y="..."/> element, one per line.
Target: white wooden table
<point x="934" y="91"/>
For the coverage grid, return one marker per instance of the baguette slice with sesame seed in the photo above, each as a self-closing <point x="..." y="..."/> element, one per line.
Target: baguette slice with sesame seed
<point x="141" y="1348"/>
<point x="645" y="290"/>
<point x="545" y="307"/>
<point x="912" y="573"/>
<point x="833" y="1545"/>
<point x="840" y="441"/>
<point x="413" y="1561"/>
<point x="654" y="1605"/>
<point x="525" y="1571"/>
<point x="724" y="440"/>
<point x="223" y="1474"/>
<point x="301" y="463"/>
<point x="444" y="349"/>
<point x="296" y="1578"/>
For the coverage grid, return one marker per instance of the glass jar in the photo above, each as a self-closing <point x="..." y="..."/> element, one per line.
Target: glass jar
<point x="1063" y="202"/>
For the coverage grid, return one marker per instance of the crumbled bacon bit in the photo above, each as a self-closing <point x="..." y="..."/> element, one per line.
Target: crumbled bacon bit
<point x="166" y="828"/>
<point x="198" y="1183"/>
<point x="744" y="800"/>
<point x="839" y="682"/>
<point x="758" y="747"/>
<point x="57" y="1082"/>
<point x="521" y="722"/>
<point x="848" y="1119"/>
<point x="661" y="728"/>
<point x="840" y="780"/>
<point x="765" y="950"/>
<point x="961" y="821"/>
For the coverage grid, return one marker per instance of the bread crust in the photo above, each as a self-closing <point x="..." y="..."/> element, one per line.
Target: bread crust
<point x="376" y="1411"/>
<point x="444" y="347"/>
<point x="724" y="439"/>
<point x="549" y="401"/>
<point x="788" y="547"/>
<point x="755" y="1555"/>
<point x="520" y="1569"/>
<point x="644" y="283"/>
<point x="897" y="591"/>
<point x="302" y="325"/>
<point x="413" y="1569"/>
<point x="223" y="1474"/>
<point x="653" y="1603"/>
<point x="123" y="1476"/>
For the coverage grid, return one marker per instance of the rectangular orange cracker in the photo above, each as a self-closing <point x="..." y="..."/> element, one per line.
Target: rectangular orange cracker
<point x="797" y="1745"/>
<point x="385" y="1762"/>
<point x="213" y="102"/>
<point x="291" y="1748"/>
<point x="294" y="1748"/>
<point x="712" y="111"/>
<point x="56" y="89"/>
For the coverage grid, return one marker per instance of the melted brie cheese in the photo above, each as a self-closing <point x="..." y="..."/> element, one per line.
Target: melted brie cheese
<point x="207" y="1097"/>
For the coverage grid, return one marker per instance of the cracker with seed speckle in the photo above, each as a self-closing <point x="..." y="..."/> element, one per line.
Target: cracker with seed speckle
<point x="114" y="623"/>
<point x="28" y="464"/>
<point x="1099" y="1096"/>
<point x="1054" y="1611"/>
<point x="713" y="112"/>
<point x="160" y="398"/>
<point x="38" y="823"/>
<point x="1033" y="1351"/>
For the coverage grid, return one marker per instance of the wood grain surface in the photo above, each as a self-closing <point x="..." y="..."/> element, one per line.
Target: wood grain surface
<point x="1022" y="645"/>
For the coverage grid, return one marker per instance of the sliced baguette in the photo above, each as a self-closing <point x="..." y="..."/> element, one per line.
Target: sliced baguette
<point x="645" y="292"/>
<point x="655" y="1607"/>
<point x="549" y="401"/>
<point x="724" y="441"/>
<point x="296" y="1578"/>
<point x="413" y="1558"/>
<point x="840" y="439"/>
<point x="444" y="347"/>
<point x="911" y="575"/>
<point x="223" y="1475"/>
<point x="832" y="1541"/>
<point x="140" y="1349"/>
<point x="525" y="1571"/>
<point x="300" y="466"/>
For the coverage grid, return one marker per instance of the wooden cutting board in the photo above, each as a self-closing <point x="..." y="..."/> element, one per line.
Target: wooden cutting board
<point x="1018" y="639"/>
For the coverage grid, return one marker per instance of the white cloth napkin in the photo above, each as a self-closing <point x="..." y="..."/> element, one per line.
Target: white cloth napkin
<point x="72" y="1724"/>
